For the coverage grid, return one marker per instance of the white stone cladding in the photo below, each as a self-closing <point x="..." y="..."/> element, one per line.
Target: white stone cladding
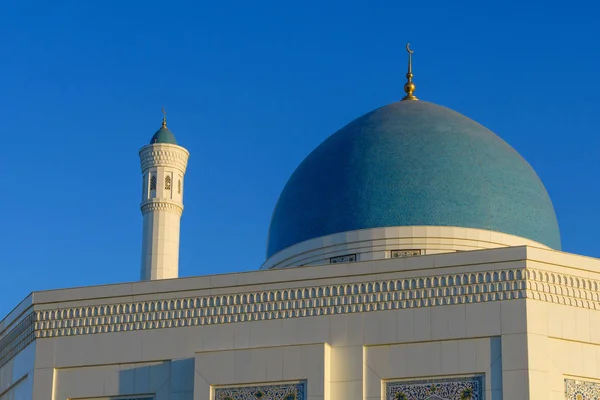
<point x="163" y="171"/>
<point x="380" y="243"/>
<point x="526" y="320"/>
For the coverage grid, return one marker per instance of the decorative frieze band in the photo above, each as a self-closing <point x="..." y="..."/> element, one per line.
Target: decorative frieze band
<point x="563" y="289"/>
<point x="162" y="205"/>
<point x="287" y="303"/>
<point x="176" y="157"/>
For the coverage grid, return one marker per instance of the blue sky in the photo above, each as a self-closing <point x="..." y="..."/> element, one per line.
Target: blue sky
<point x="250" y="89"/>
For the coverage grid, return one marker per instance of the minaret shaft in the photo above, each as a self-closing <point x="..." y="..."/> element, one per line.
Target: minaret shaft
<point x="163" y="171"/>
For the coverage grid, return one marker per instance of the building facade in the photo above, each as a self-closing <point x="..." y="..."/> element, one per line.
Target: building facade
<point x="413" y="255"/>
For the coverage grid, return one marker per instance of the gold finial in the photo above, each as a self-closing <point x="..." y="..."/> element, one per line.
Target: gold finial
<point x="164" y="123"/>
<point x="409" y="86"/>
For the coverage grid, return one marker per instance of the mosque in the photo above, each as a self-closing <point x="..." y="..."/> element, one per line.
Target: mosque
<point x="413" y="255"/>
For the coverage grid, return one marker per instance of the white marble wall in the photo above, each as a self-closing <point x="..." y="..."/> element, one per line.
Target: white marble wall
<point x="341" y="356"/>
<point x="267" y="365"/>
<point x="434" y="359"/>
<point x="160" y="245"/>
<point x="377" y="243"/>
<point x="563" y="342"/>
<point x="163" y="380"/>
<point x="16" y="376"/>
<point x="525" y="347"/>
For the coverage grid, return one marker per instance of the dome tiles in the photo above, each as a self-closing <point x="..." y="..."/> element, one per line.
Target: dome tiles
<point x="163" y="135"/>
<point x="412" y="163"/>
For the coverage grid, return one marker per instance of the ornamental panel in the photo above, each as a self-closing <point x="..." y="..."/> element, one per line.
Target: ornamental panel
<point x="286" y="391"/>
<point x="581" y="390"/>
<point x="463" y="388"/>
<point x="121" y="398"/>
<point x="343" y="259"/>
<point x="133" y="398"/>
<point x="405" y="253"/>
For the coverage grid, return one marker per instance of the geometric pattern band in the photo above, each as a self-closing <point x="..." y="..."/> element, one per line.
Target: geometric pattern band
<point x="282" y="304"/>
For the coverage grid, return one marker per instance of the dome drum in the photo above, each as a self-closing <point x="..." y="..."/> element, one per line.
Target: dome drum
<point x="382" y="243"/>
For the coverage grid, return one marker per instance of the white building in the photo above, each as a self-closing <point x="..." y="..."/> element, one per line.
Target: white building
<point x="448" y="284"/>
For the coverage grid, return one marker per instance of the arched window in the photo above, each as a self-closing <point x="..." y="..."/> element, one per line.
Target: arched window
<point x="179" y="186"/>
<point x="153" y="182"/>
<point x="168" y="183"/>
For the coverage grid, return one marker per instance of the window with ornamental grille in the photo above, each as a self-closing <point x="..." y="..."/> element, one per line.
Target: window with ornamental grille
<point x="343" y="259"/>
<point x="282" y="391"/>
<point x="153" y="182"/>
<point x="406" y="253"/>
<point x="168" y="183"/>
<point x="132" y="398"/>
<point x="179" y="186"/>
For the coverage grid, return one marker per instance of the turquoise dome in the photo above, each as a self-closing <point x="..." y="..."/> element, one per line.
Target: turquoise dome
<point x="412" y="163"/>
<point x="163" y="135"/>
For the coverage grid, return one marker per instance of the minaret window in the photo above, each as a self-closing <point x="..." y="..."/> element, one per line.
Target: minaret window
<point x="179" y="186"/>
<point x="153" y="182"/>
<point x="168" y="183"/>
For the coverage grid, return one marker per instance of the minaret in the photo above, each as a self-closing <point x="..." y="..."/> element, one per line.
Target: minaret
<point x="163" y="169"/>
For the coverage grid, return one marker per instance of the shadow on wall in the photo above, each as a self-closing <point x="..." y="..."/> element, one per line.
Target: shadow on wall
<point x="495" y="372"/>
<point x="167" y="380"/>
<point x="163" y="380"/>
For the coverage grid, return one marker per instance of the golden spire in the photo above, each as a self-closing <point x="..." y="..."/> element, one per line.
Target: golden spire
<point x="409" y="86"/>
<point x="164" y="123"/>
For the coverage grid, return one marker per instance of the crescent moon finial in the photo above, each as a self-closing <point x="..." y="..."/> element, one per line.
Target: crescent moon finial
<point x="409" y="87"/>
